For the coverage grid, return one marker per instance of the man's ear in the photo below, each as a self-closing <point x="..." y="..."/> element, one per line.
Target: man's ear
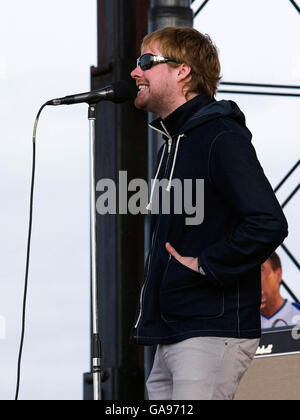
<point x="183" y="71"/>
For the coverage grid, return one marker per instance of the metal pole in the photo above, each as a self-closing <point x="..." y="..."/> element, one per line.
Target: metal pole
<point x="162" y="14"/>
<point x="96" y="345"/>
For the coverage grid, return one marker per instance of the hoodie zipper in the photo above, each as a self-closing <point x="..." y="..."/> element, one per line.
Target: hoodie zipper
<point x="152" y="243"/>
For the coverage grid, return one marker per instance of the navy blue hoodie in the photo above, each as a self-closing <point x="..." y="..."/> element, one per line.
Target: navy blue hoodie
<point x="243" y="224"/>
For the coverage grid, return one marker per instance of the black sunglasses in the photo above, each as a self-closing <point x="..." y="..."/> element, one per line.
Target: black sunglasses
<point x="146" y="61"/>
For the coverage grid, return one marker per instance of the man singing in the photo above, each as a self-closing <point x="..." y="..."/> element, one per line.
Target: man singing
<point x="201" y="295"/>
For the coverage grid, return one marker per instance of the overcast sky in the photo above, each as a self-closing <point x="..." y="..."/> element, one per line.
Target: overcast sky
<point x="47" y="48"/>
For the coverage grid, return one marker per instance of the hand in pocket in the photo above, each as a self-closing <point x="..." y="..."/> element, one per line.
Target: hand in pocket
<point x="189" y="262"/>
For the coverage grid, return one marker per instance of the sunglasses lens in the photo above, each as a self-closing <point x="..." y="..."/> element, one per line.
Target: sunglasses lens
<point x="145" y="62"/>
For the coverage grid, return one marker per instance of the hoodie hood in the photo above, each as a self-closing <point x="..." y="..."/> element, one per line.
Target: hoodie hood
<point x="214" y="110"/>
<point x="196" y="112"/>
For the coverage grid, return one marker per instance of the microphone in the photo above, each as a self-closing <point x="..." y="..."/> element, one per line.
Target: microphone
<point x="117" y="92"/>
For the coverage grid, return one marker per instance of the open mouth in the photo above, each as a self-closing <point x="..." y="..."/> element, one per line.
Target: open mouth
<point x="143" y="88"/>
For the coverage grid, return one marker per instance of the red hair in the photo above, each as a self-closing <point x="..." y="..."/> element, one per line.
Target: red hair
<point x="198" y="51"/>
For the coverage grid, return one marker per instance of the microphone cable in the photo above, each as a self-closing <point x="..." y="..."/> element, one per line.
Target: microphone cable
<point x="28" y="252"/>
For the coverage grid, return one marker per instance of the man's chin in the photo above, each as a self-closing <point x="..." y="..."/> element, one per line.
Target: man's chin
<point x="142" y="105"/>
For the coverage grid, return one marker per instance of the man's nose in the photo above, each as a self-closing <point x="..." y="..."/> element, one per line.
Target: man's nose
<point x="136" y="73"/>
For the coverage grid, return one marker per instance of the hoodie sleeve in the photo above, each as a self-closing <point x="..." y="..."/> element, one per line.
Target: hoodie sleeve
<point x="238" y="176"/>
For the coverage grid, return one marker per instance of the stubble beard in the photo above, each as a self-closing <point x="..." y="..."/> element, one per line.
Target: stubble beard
<point x="156" y="104"/>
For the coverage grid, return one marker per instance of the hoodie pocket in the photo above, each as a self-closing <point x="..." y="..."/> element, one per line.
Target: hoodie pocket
<point x="186" y="294"/>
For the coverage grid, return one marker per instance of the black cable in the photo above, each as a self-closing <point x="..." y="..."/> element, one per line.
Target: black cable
<point x="28" y="253"/>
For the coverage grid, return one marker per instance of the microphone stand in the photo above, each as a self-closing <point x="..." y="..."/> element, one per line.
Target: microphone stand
<point x="96" y="344"/>
<point x="118" y="92"/>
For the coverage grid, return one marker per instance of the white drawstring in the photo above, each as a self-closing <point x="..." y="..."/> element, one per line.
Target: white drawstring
<point x="164" y="133"/>
<point x="174" y="163"/>
<point x="168" y="189"/>
<point x="149" y="207"/>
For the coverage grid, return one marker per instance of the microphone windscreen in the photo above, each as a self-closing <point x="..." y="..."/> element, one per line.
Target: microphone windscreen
<point x="121" y="92"/>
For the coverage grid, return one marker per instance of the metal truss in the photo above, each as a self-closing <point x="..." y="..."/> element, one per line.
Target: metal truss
<point x="268" y="93"/>
<point x="259" y="85"/>
<point x="206" y="1"/>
